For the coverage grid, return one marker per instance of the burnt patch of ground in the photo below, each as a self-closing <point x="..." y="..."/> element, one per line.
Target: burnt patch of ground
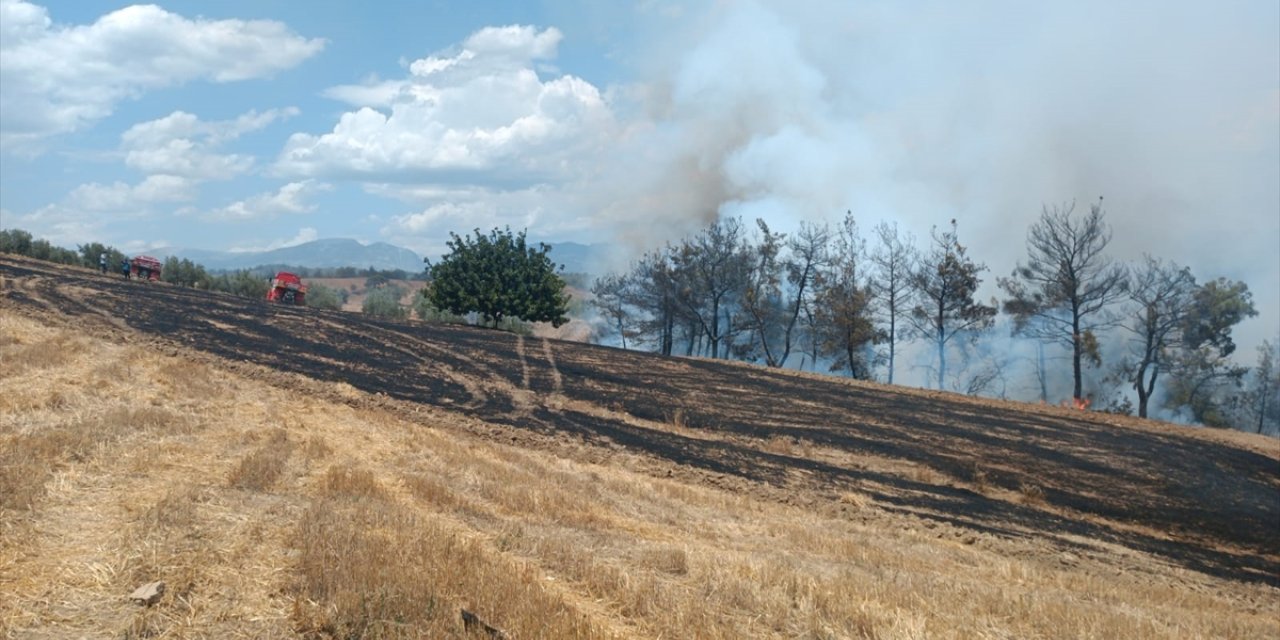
<point x="1205" y="503"/>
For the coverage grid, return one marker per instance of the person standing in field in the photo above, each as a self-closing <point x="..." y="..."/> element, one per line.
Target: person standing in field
<point x="124" y="268"/>
<point x="102" y="262"/>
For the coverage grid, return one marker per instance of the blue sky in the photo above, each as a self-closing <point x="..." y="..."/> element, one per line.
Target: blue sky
<point x="254" y="124"/>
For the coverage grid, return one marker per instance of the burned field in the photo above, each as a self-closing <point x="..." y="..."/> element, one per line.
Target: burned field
<point x="1204" y="501"/>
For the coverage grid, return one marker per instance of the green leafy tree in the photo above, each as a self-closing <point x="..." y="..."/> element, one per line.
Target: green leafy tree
<point x="320" y="296"/>
<point x="241" y="283"/>
<point x="42" y="250"/>
<point x="184" y="272"/>
<point x="427" y="312"/>
<point x="91" y="252"/>
<point x="15" y="241"/>
<point x="1203" y="378"/>
<point x="384" y="302"/>
<point x="499" y="275"/>
<point x="376" y="280"/>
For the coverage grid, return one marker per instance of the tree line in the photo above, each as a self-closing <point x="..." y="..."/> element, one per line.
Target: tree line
<point x="823" y="296"/>
<point x="826" y="296"/>
<point x="249" y="283"/>
<point x="499" y="278"/>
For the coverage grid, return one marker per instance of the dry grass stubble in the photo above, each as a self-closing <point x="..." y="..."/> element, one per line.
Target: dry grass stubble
<point x="385" y="528"/>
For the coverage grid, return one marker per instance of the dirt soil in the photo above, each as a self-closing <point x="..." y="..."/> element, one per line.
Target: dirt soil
<point x="1204" y="500"/>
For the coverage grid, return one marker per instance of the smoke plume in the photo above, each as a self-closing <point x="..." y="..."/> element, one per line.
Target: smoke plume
<point x="922" y="112"/>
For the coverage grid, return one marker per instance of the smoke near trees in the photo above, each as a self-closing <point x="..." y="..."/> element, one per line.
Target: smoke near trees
<point x="891" y="312"/>
<point x="843" y="304"/>
<point x="1064" y="290"/>
<point x="894" y="260"/>
<point x="1161" y="296"/>
<point x="1145" y="338"/>
<point x="946" y="282"/>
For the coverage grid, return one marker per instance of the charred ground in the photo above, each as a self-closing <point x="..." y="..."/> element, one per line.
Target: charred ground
<point x="1207" y="501"/>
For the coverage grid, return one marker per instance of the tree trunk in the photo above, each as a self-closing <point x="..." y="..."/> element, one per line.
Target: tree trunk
<point x="1076" y="338"/>
<point x="892" y="338"/>
<point x="669" y="342"/>
<point x="795" y="317"/>
<point x="1262" y="405"/>
<point x="1142" y="393"/>
<point x="1042" y="374"/>
<point x="714" y="335"/>
<point x="942" y="364"/>
<point x="942" y="342"/>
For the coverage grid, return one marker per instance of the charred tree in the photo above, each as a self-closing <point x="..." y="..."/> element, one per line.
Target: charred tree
<point x="709" y="269"/>
<point x="844" y="303"/>
<point x="1063" y="292"/>
<point x="762" y="294"/>
<point x="945" y="282"/>
<point x="894" y="259"/>
<point x="1161" y="295"/>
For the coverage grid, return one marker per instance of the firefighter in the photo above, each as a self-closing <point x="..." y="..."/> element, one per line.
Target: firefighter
<point x="124" y="268"/>
<point x="102" y="262"/>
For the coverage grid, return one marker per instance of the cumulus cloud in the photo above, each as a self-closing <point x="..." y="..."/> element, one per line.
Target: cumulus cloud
<point x="481" y="107"/>
<point x="86" y="211"/>
<point x="121" y="197"/>
<point x="178" y="152"/>
<point x="181" y="144"/>
<point x="60" y="78"/>
<point x="548" y="211"/>
<point x="292" y="198"/>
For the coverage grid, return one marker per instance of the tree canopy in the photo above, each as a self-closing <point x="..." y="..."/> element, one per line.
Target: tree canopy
<point x="498" y="275"/>
<point x="1063" y="291"/>
<point x="946" y="282"/>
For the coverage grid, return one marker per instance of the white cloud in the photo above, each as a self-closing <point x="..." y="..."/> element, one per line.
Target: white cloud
<point x="373" y="93"/>
<point x="177" y="152"/>
<point x="451" y="216"/>
<point x="479" y="113"/>
<point x="546" y="211"/>
<point x="181" y="144"/>
<point x="290" y="198"/>
<point x="86" y="211"/>
<point x="121" y="197"/>
<point x="305" y="235"/>
<point x="60" y="78"/>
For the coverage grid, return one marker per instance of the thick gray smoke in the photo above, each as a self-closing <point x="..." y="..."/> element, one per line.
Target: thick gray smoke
<point x="983" y="112"/>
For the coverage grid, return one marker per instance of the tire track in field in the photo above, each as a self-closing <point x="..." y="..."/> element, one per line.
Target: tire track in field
<point x="524" y="362"/>
<point x="557" y="379"/>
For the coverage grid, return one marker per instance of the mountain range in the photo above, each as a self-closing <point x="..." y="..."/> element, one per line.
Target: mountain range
<point x="345" y="252"/>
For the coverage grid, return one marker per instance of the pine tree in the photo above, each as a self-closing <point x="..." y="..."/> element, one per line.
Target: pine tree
<point x="945" y="282"/>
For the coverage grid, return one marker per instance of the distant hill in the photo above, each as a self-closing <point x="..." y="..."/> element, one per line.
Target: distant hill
<point x="345" y="252"/>
<point x="331" y="252"/>
<point x="577" y="258"/>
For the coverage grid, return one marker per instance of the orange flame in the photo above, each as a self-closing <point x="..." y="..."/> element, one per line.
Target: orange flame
<point x="1079" y="404"/>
